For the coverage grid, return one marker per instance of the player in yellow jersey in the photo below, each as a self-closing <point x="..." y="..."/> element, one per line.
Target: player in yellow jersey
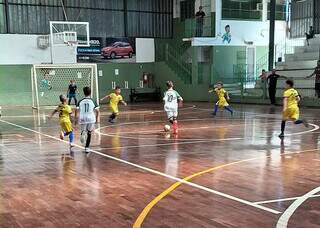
<point x="64" y="111"/>
<point x="290" y="112"/>
<point x="223" y="96"/>
<point x="115" y="99"/>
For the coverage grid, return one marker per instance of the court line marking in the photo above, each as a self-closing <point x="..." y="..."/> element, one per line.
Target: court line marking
<point x="119" y="134"/>
<point x="166" y="192"/>
<point x="282" y="200"/>
<point x="316" y="127"/>
<point x="284" y="218"/>
<point x="166" y="175"/>
<point x="154" y="171"/>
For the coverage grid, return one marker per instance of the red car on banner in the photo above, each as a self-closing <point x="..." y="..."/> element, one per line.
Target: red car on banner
<point x="117" y="49"/>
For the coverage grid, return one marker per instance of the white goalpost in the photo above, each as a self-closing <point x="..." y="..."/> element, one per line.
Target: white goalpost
<point x="49" y="81"/>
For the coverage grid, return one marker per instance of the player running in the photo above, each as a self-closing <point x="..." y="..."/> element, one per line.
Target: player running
<point x="171" y="99"/>
<point x="115" y="99"/>
<point x="223" y="96"/>
<point x="64" y="111"/>
<point x="290" y="112"/>
<point x="87" y="114"/>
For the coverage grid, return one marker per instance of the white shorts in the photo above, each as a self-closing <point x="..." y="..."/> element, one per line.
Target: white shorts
<point x="87" y="127"/>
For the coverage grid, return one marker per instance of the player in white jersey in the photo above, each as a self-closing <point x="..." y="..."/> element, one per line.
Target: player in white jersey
<point x="171" y="99"/>
<point x="87" y="114"/>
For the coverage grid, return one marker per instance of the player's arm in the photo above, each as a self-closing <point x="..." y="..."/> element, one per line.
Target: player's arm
<point x="123" y="102"/>
<point x="97" y="111"/>
<point x="227" y="96"/>
<point x="285" y="103"/>
<point x="54" y="112"/>
<point x="298" y="98"/>
<point x="105" y="97"/>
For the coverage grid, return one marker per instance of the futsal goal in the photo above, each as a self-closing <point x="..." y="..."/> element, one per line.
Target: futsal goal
<point x="49" y="81"/>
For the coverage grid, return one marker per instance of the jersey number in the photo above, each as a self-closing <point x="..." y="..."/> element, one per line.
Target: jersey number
<point x="170" y="98"/>
<point x="86" y="107"/>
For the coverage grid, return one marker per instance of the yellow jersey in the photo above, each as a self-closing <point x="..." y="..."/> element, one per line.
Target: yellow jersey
<point x="291" y="95"/>
<point x="222" y="102"/>
<point x="114" y="101"/>
<point x="64" y="112"/>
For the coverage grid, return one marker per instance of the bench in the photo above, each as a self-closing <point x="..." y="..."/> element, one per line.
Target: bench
<point x="145" y="94"/>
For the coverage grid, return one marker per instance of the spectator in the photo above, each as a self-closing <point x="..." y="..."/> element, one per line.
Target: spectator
<point x="199" y="20"/>
<point x="263" y="82"/>
<point x="310" y="35"/>
<point x="316" y="72"/>
<point x="272" y="81"/>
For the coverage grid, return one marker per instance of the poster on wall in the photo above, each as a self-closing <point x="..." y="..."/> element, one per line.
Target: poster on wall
<point x="92" y="53"/>
<point x="119" y="50"/>
<point x="109" y="50"/>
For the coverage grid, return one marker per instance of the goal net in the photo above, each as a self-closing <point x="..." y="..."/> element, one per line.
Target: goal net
<point x="51" y="80"/>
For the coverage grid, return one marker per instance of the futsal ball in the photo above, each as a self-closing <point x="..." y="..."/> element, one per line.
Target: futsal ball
<point x="166" y="128"/>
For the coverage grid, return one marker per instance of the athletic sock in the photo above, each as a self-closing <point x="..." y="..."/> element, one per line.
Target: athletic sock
<point x="71" y="136"/>
<point x="283" y="126"/>
<point x="215" y="109"/>
<point x="88" y="139"/>
<point x="175" y="126"/>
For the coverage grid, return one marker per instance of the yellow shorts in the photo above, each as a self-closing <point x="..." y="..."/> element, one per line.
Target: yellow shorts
<point x="114" y="109"/>
<point x="222" y="103"/>
<point x="291" y="113"/>
<point x="66" y="126"/>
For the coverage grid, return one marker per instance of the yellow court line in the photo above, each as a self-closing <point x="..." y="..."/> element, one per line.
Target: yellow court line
<point x="166" y="192"/>
<point x="148" y="208"/>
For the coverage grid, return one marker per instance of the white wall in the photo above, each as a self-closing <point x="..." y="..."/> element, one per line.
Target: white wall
<point x="22" y="49"/>
<point x="244" y="31"/>
<point x="145" y="50"/>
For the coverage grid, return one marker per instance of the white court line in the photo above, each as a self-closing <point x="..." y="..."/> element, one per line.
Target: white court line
<point x="120" y="134"/>
<point x="155" y="171"/>
<point x="282" y="200"/>
<point x="316" y="127"/>
<point x="284" y="219"/>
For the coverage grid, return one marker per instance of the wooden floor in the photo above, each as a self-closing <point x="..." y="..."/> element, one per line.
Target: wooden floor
<point x="218" y="172"/>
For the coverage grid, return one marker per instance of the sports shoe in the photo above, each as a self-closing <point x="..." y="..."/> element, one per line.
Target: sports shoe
<point x="281" y="135"/>
<point x="214" y="114"/>
<point x="112" y="121"/>
<point x="86" y="150"/>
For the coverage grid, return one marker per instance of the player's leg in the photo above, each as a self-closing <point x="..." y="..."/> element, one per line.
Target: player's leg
<point x="175" y="122"/>
<point x="215" y="108"/>
<point x="75" y="100"/>
<point x="229" y="109"/>
<point x="83" y="135"/>
<point x="68" y="131"/>
<point x="69" y="100"/>
<point x="90" y="128"/>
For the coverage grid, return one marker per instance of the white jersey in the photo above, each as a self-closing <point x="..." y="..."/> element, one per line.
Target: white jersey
<point x="171" y="98"/>
<point x="87" y="109"/>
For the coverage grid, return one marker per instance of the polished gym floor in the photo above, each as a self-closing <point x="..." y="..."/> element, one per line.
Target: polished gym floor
<point x="223" y="171"/>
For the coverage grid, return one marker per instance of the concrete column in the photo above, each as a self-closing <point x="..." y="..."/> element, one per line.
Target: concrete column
<point x="195" y="65"/>
<point x="218" y="12"/>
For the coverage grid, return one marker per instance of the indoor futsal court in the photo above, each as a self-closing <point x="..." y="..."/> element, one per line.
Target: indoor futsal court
<point x="159" y="114"/>
<point x="218" y="172"/>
